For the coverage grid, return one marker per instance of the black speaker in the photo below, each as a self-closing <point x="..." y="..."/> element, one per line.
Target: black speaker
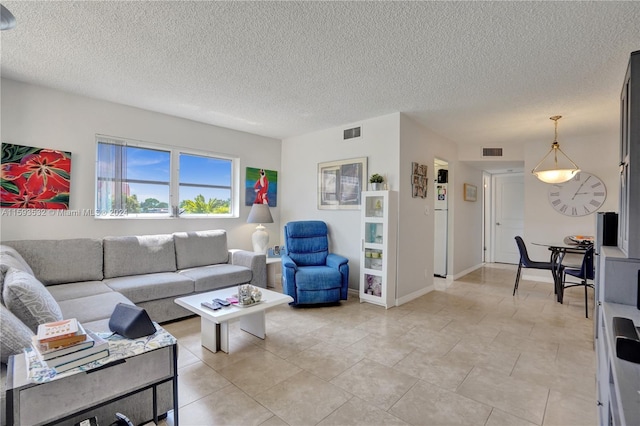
<point x="627" y="340"/>
<point x="610" y="229"/>
<point x="131" y="321"/>
<point x="638" y="302"/>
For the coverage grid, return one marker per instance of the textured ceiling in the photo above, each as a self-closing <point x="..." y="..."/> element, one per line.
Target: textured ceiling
<point x="488" y="73"/>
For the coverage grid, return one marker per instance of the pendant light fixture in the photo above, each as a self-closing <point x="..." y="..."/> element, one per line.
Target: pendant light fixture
<point x="8" y="21"/>
<point x="555" y="173"/>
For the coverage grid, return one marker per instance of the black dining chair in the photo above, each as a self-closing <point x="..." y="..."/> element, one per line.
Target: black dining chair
<point x="584" y="273"/>
<point x="525" y="262"/>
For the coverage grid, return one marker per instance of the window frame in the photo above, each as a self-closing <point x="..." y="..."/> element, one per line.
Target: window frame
<point x="174" y="180"/>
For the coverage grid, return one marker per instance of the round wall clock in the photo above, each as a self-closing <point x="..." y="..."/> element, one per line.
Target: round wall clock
<point x="580" y="196"/>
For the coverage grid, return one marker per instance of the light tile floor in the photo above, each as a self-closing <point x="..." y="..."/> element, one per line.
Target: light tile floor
<point x="466" y="354"/>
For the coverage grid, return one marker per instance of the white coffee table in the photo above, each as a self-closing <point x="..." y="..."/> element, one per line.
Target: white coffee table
<point x="214" y="333"/>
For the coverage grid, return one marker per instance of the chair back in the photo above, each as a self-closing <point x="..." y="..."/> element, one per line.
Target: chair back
<point x="586" y="270"/>
<point x="522" y="248"/>
<point x="307" y="242"/>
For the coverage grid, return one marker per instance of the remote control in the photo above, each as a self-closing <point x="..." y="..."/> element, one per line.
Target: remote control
<point x="222" y="302"/>
<point x="215" y="306"/>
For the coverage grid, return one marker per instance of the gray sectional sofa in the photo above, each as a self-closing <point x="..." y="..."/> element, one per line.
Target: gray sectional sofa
<point x="42" y="280"/>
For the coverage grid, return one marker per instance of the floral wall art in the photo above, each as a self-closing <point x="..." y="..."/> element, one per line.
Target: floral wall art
<point x="34" y="178"/>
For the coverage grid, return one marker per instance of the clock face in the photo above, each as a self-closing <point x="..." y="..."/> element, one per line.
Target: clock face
<point x="582" y="195"/>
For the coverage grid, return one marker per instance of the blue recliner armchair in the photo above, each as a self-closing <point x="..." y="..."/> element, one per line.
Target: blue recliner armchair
<point x="310" y="274"/>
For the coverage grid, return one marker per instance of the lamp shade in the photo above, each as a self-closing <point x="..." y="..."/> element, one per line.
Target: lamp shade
<point x="260" y="213"/>
<point x="556" y="176"/>
<point x="8" y="21"/>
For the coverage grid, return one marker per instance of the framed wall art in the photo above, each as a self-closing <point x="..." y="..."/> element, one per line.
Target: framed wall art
<point x="261" y="187"/>
<point x="340" y="183"/>
<point x="418" y="180"/>
<point x="470" y="192"/>
<point x="35" y="178"/>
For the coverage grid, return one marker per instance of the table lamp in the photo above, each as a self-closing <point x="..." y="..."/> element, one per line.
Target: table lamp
<point x="260" y="214"/>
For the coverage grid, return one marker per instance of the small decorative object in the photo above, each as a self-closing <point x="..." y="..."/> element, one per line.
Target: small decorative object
<point x="418" y="180"/>
<point x="377" y="288"/>
<point x="274" y="251"/>
<point x="470" y="192"/>
<point x="248" y="295"/>
<point x="376" y="182"/>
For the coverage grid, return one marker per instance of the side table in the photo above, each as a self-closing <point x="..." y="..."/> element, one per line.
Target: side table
<point x="139" y="373"/>
<point x="274" y="273"/>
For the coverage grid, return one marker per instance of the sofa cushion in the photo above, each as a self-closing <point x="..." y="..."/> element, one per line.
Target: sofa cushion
<point x="218" y="276"/>
<point x="15" y="335"/>
<point x="92" y="308"/>
<point x="142" y="288"/>
<point x="29" y="300"/>
<point x="71" y="291"/>
<point x="11" y="257"/>
<point x="62" y="261"/>
<point x="200" y="248"/>
<point x="136" y="255"/>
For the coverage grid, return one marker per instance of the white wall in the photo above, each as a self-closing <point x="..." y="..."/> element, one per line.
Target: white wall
<point x="416" y="229"/>
<point x="46" y="118"/>
<point x="467" y="220"/>
<point x="300" y="158"/>
<point x="391" y="143"/>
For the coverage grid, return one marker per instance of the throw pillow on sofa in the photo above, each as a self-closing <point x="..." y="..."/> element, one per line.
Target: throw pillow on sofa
<point x="10" y="257"/>
<point x="29" y="300"/>
<point x="15" y="335"/>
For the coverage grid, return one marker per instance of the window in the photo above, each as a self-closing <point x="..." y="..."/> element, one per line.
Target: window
<point x="141" y="180"/>
<point x="205" y="184"/>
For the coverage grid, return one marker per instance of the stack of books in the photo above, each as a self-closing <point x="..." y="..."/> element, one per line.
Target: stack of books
<point x="64" y="345"/>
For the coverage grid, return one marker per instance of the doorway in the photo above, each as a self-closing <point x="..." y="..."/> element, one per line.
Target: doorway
<point x="507" y="216"/>
<point x="441" y="218"/>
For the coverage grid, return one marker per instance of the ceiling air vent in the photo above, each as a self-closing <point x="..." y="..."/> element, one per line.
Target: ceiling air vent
<point x="352" y="133"/>
<point x="492" y="152"/>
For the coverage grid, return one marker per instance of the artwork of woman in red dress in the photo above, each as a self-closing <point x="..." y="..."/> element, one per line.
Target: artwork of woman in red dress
<point x="261" y="187"/>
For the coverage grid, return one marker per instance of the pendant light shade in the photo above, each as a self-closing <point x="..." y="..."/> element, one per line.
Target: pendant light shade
<point x="8" y="21"/>
<point x="556" y="166"/>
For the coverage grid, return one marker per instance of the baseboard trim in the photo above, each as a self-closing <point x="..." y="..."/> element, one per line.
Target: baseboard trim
<point x="414" y="295"/>
<point x="465" y="272"/>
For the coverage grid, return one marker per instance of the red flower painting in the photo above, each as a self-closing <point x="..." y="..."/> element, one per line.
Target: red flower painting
<point x="34" y="178"/>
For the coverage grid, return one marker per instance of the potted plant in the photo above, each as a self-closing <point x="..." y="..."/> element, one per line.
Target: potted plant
<point x="376" y="181"/>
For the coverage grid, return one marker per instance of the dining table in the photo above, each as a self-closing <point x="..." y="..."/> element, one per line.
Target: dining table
<point x="558" y="251"/>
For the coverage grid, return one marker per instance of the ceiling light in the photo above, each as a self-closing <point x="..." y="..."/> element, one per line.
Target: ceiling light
<point x="8" y="20"/>
<point x="555" y="173"/>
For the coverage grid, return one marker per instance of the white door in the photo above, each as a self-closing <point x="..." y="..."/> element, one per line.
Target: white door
<point x="508" y="203"/>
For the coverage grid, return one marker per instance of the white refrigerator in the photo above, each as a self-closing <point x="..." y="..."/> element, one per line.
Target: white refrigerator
<point x="440" y="212"/>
